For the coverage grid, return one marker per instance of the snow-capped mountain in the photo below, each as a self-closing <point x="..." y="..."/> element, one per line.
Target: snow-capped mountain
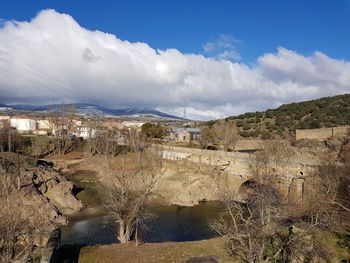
<point x="96" y="110"/>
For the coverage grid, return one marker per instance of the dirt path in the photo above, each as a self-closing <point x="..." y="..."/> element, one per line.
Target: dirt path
<point x="206" y="251"/>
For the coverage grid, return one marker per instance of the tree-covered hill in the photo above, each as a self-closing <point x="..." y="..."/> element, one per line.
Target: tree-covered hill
<point x="284" y="120"/>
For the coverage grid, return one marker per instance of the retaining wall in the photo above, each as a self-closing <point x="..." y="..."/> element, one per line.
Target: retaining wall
<point x="322" y="133"/>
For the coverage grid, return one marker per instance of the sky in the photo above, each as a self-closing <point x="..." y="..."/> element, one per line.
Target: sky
<point x="214" y="58"/>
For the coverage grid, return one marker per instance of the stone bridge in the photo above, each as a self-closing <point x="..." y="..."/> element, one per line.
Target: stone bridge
<point x="237" y="165"/>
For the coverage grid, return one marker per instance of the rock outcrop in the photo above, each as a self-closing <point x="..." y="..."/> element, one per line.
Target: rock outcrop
<point x="56" y="188"/>
<point x="34" y="200"/>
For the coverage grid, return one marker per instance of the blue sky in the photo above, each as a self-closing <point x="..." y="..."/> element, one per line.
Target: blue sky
<point x="214" y="58"/>
<point x="261" y="26"/>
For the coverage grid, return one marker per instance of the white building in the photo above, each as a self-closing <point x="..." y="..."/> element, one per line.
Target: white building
<point x="131" y="124"/>
<point x="45" y="125"/>
<point x="23" y="125"/>
<point x="85" y="132"/>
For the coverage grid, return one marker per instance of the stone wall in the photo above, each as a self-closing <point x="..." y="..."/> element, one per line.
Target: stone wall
<point x="323" y="133"/>
<point x="245" y="144"/>
<point x="236" y="163"/>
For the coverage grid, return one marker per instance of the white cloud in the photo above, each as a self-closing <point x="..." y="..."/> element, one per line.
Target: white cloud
<point x="53" y="59"/>
<point x="229" y="55"/>
<point x="225" y="47"/>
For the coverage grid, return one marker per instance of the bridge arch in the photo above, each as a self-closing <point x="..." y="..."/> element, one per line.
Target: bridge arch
<point x="245" y="188"/>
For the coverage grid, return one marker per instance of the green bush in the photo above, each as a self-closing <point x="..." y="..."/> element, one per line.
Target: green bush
<point x="239" y="123"/>
<point x="253" y="134"/>
<point x="272" y="127"/>
<point x="324" y="112"/>
<point x="246" y="126"/>
<point x="269" y="114"/>
<point x="152" y="130"/>
<point x="266" y="135"/>
<point x="244" y="134"/>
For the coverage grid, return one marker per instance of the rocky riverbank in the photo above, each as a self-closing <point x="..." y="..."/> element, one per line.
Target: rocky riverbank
<point x="35" y="200"/>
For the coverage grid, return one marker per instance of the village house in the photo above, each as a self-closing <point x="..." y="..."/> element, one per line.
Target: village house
<point x="27" y="125"/>
<point x="23" y="125"/>
<point x="85" y="132"/>
<point x="75" y="127"/>
<point x="44" y="127"/>
<point x="185" y="135"/>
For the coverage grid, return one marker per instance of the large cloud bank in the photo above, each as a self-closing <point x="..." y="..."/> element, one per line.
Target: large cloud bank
<point x="53" y="59"/>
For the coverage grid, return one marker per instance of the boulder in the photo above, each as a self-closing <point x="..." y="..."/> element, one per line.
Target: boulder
<point x="60" y="194"/>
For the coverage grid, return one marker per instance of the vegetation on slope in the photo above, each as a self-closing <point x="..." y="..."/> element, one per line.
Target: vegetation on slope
<point x="283" y="121"/>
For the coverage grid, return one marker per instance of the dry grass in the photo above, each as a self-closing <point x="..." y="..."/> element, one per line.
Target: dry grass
<point x="157" y="252"/>
<point x="75" y="155"/>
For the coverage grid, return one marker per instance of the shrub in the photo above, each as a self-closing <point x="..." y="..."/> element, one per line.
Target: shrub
<point x="265" y="135"/>
<point x="269" y="114"/>
<point x="244" y="134"/>
<point x="253" y="134"/>
<point x="239" y="123"/>
<point x="246" y="126"/>
<point x="272" y="127"/>
<point x="152" y="130"/>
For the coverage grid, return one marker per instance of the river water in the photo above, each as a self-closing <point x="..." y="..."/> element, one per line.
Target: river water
<point x="172" y="223"/>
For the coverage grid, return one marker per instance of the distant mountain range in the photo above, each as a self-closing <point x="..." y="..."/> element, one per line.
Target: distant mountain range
<point x="96" y="110"/>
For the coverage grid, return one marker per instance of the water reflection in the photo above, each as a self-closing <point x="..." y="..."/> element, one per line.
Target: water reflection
<point x="172" y="223"/>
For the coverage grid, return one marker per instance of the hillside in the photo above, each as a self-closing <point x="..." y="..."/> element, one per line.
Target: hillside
<point x="96" y="110"/>
<point x="284" y="120"/>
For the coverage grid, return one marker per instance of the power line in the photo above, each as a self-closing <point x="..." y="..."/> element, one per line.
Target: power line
<point x="38" y="74"/>
<point x="34" y="68"/>
<point x="20" y="76"/>
<point x="31" y="80"/>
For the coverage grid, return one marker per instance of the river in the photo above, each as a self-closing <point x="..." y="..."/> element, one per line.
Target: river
<point x="171" y="223"/>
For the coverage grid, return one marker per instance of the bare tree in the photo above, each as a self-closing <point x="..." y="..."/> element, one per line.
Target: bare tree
<point x="207" y="137"/>
<point x="96" y="140"/>
<point x="130" y="181"/>
<point x="226" y="133"/>
<point x="11" y="225"/>
<point x="261" y="228"/>
<point x="104" y="141"/>
<point x="326" y="202"/>
<point x="11" y="142"/>
<point x="64" y="125"/>
<point x="12" y="221"/>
